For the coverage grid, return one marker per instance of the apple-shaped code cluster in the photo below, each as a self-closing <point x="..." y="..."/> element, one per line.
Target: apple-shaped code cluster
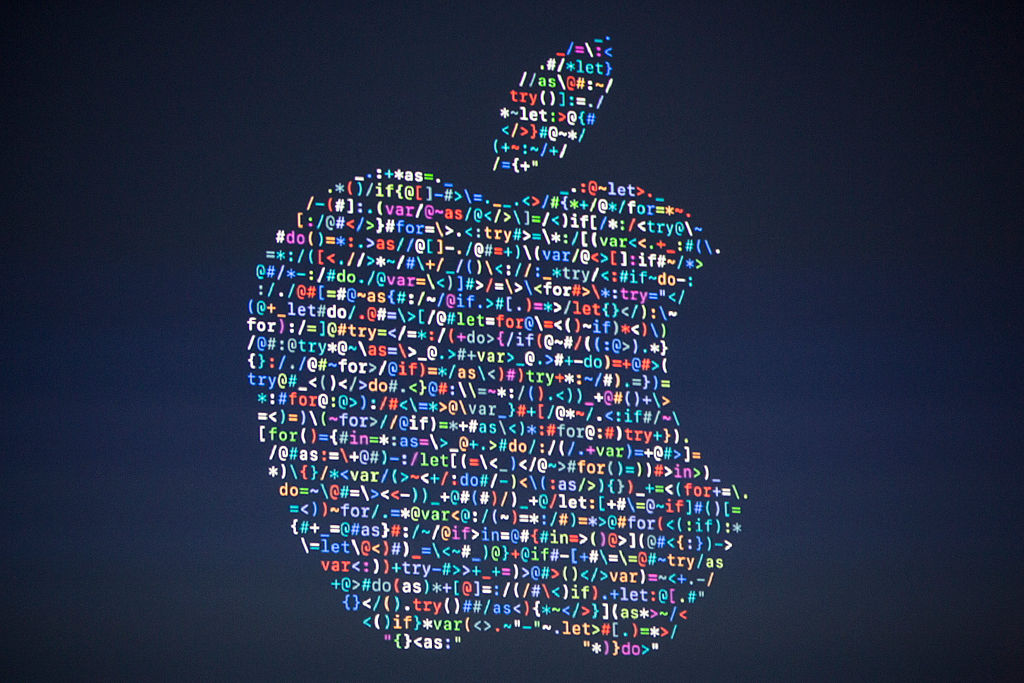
<point x="465" y="409"/>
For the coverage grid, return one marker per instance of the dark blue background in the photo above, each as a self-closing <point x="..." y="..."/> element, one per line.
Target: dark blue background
<point x="851" y="359"/>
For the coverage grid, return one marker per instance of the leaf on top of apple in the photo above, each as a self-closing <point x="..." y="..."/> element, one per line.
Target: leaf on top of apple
<point x="552" y="106"/>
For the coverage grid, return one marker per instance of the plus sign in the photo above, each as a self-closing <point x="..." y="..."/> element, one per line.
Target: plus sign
<point x="430" y="264"/>
<point x="532" y="501"/>
<point x="389" y="174"/>
<point x="590" y="450"/>
<point x="314" y="527"/>
<point x="271" y="308"/>
<point x="515" y="553"/>
<point x="336" y="584"/>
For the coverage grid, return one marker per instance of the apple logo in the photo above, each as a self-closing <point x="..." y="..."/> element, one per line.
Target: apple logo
<point x="465" y="403"/>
